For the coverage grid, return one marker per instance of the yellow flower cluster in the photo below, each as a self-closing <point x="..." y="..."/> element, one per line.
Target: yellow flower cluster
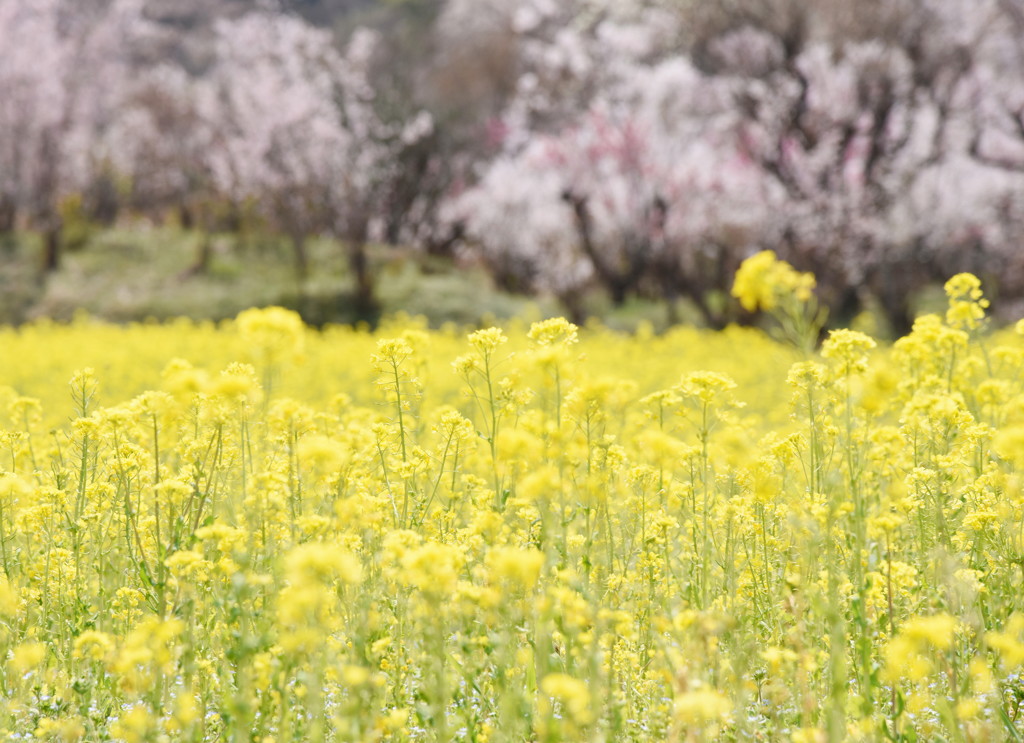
<point x="763" y="281"/>
<point x="967" y="304"/>
<point x="534" y="533"/>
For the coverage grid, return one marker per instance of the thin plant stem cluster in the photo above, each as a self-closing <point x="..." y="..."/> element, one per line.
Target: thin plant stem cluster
<point x="536" y="533"/>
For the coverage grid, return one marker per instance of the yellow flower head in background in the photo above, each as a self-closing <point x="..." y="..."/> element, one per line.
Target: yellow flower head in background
<point x="849" y="348"/>
<point x="763" y="280"/>
<point x="701" y="706"/>
<point x="571" y="693"/>
<point x="908" y="654"/>
<point x="556" y="331"/>
<point x="967" y="304"/>
<point x="275" y="333"/>
<point x="486" y="341"/>
<point x="27" y="656"/>
<point x="391" y="353"/>
<point x="321" y="563"/>
<point x="520" y="567"/>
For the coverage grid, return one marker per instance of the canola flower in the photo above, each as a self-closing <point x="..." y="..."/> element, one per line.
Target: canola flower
<point x="255" y="531"/>
<point x="765" y="283"/>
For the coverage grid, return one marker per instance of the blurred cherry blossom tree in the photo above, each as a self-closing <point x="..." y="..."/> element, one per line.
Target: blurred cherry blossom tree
<point x="296" y="132"/>
<point x="878" y="145"/>
<point x="62" y="79"/>
<point x="279" y="137"/>
<point x="643" y="147"/>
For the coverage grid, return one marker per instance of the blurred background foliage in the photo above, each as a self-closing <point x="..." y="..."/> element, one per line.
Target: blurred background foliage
<point x="463" y="158"/>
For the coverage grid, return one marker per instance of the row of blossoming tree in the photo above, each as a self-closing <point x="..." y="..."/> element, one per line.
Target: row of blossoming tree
<point x="645" y="147"/>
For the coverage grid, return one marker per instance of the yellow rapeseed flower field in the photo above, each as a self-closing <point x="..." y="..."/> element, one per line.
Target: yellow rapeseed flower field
<point x="254" y="531"/>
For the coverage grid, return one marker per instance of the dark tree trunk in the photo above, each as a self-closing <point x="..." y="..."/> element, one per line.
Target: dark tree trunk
<point x="618" y="277"/>
<point x="51" y="246"/>
<point x="573" y="303"/>
<point x="301" y="255"/>
<point x="8" y="215"/>
<point x="847" y="306"/>
<point x="618" y="291"/>
<point x="892" y="288"/>
<point x="47" y="213"/>
<point x="670" y="295"/>
<point x="105" y="202"/>
<point x="364" y="299"/>
<point x="584" y="226"/>
<point x="896" y="308"/>
<point x="444" y="247"/>
<point x="201" y="264"/>
<point x="712" y="319"/>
